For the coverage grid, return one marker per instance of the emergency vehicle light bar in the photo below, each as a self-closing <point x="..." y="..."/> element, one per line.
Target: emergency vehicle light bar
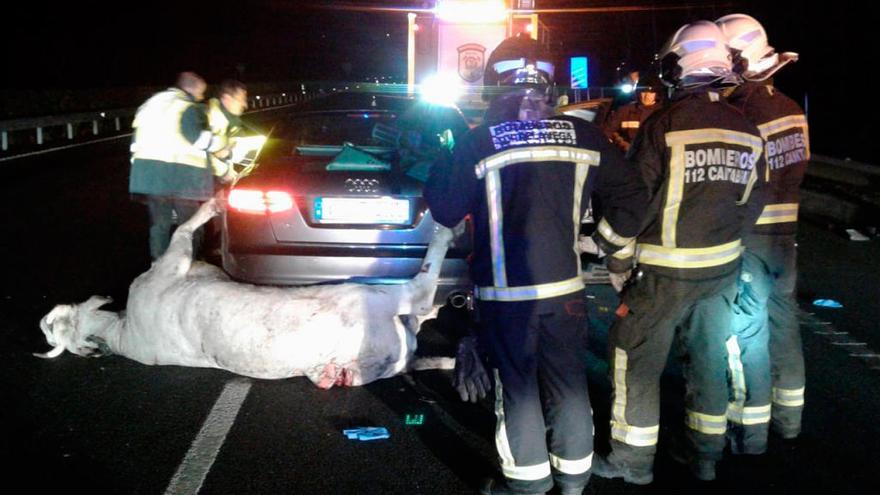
<point x="471" y="12"/>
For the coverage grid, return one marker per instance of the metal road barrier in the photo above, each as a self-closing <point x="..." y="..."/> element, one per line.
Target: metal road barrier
<point x="842" y="192"/>
<point x="56" y="131"/>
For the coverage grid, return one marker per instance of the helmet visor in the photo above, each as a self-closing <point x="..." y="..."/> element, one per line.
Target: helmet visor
<point x="522" y="71"/>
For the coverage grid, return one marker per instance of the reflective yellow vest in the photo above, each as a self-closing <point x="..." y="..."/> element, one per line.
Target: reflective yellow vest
<point x="158" y="135"/>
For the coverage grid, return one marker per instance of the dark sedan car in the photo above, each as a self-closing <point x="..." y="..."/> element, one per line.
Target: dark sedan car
<point x="337" y="196"/>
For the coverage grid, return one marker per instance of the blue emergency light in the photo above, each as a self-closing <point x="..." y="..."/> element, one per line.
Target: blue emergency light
<point x="579" y="73"/>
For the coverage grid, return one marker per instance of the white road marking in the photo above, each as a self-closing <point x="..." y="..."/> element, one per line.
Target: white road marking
<point x="857" y="350"/>
<point x="198" y="461"/>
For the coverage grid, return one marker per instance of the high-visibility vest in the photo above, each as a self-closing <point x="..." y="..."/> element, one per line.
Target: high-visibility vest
<point x="158" y="135"/>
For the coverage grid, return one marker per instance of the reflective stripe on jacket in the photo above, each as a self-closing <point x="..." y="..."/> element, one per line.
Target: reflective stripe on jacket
<point x="527" y="184"/>
<point x="785" y="132"/>
<point x="702" y="161"/>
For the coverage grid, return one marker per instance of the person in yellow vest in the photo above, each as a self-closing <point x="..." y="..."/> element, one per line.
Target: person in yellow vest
<point x="224" y="118"/>
<point x="170" y="167"/>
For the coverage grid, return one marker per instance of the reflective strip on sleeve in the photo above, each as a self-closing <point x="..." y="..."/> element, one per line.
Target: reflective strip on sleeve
<point x="626" y="251"/>
<point x="778" y="213"/>
<point x="611" y="236"/>
<point x="706" y="423"/>
<point x="620" y="430"/>
<point x="529" y="292"/>
<point x="689" y="257"/>
<point x="502" y="444"/>
<point x="496" y="228"/>
<point x="629" y="124"/>
<point x="536" y="154"/>
<point x="788" y="397"/>
<point x="572" y="466"/>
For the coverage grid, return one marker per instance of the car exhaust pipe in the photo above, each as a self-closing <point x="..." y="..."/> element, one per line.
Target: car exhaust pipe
<point x="460" y="300"/>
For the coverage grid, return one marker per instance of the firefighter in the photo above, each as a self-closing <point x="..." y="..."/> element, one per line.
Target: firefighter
<point x="701" y="160"/>
<point x="224" y="117"/>
<point x="624" y="123"/>
<point x="769" y="262"/>
<point x="525" y="175"/>
<point x="169" y="163"/>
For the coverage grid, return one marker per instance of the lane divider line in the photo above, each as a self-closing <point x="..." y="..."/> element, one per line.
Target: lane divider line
<point x="854" y="349"/>
<point x="204" y="449"/>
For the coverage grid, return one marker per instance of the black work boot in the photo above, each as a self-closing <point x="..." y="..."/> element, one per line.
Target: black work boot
<point x="748" y="440"/>
<point x="492" y="487"/>
<point x="608" y="467"/>
<point x="702" y="469"/>
<point x="786" y="432"/>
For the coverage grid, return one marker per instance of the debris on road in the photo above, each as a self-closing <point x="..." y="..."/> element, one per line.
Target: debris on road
<point x="855" y="235"/>
<point x="367" y="433"/>
<point x="827" y="303"/>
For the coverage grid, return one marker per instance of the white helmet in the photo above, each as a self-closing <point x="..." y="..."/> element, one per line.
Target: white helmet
<point x="748" y="39"/>
<point x="696" y="55"/>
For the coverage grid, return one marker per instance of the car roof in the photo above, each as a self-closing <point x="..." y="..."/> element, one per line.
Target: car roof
<point x="352" y="101"/>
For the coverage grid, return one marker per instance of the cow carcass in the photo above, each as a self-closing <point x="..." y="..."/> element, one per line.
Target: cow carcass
<point x="189" y="313"/>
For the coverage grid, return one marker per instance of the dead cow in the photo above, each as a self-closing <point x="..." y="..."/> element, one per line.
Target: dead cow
<point x="189" y="313"/>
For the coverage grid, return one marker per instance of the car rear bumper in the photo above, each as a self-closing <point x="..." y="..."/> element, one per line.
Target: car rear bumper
<point x="269" y="269"/>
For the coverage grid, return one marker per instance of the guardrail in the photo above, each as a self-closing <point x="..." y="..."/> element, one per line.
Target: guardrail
<point x="40" y="131"/>
<point x="842" y="192"/>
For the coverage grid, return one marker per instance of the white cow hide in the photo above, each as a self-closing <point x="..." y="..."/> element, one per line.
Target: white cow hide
<point x="188" y="313"/>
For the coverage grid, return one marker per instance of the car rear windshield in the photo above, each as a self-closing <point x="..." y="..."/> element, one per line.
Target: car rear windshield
<point x="333" y="128"/>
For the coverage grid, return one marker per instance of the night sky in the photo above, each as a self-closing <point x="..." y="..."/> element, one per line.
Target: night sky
<point x="92" y="45"/>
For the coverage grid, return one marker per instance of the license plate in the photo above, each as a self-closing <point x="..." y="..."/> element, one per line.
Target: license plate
<point x="362" y="211"/>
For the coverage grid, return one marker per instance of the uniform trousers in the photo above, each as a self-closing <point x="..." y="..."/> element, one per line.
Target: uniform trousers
<point x="544" y="428"/>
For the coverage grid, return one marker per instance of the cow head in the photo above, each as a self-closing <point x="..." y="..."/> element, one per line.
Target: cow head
<point x="78" y="328"/>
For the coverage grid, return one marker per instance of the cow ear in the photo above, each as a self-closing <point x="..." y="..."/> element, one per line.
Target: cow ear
<point x="96" y="302"/>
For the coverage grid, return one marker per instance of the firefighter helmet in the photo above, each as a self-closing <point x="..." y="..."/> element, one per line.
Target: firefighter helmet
<point x="649" y="84"/>
<point x="519" y="60"/>
<point x="696" y="55"/>
<point x="753" y="55"/>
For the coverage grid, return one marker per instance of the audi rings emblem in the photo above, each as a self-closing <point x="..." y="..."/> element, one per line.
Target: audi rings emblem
<point x="362" y="185"/>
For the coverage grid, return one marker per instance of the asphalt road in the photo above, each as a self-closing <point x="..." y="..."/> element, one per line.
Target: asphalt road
<point x="111" y="425"/>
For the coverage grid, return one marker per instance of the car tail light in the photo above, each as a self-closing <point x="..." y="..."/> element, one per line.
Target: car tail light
<point x="259" y="202"/>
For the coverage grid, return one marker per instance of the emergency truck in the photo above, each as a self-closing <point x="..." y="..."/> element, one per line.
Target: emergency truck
<point x="448" y="45"/>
